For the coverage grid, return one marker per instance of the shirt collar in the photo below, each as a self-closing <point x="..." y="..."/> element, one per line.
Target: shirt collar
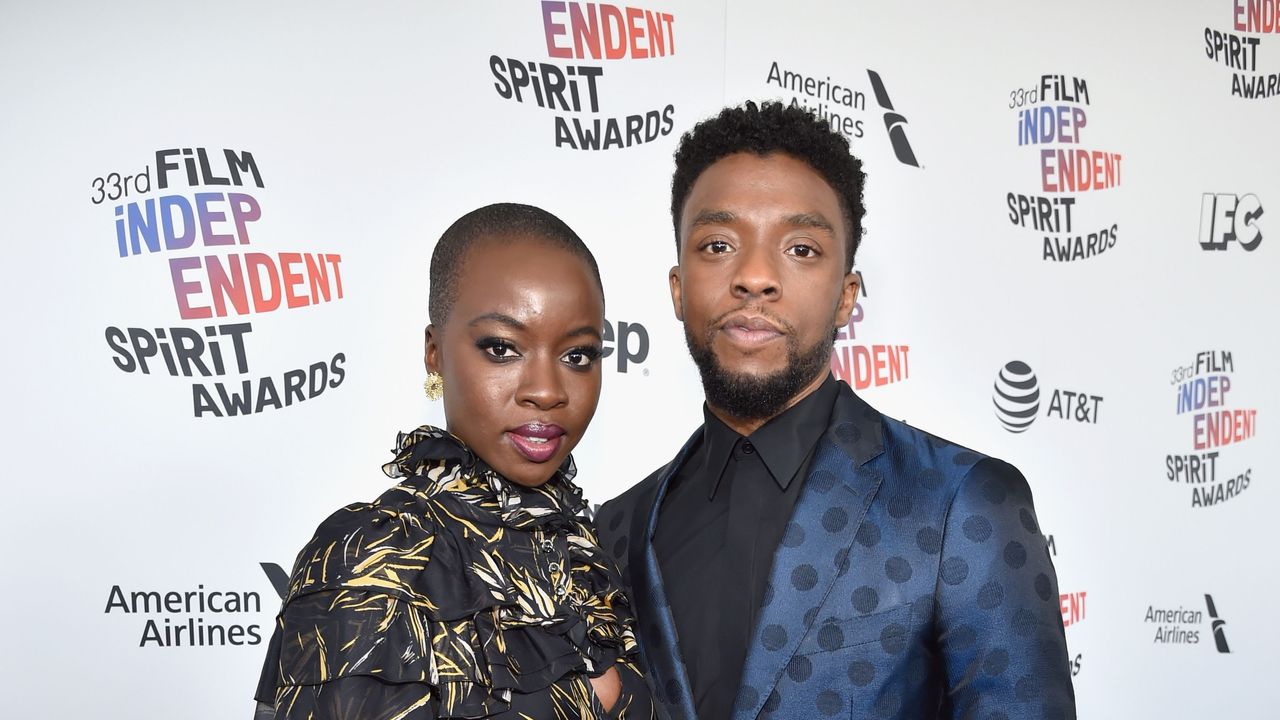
<point x="782" y="444"/>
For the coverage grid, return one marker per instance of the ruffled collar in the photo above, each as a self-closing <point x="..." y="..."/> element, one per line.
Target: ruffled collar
<point x="541" y="603"/>
<point x="432" y="453"/>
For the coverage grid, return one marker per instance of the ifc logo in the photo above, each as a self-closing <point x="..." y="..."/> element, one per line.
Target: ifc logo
<point x="1017" y="396"/>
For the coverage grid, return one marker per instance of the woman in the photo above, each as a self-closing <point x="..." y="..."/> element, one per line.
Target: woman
<point x="474" y="588"/>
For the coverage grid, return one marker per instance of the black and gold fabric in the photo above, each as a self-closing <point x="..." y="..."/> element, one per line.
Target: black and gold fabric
<point x="456" y="594"/>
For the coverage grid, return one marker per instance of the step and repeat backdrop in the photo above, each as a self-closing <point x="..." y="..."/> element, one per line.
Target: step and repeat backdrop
<point x="218" y="221"/>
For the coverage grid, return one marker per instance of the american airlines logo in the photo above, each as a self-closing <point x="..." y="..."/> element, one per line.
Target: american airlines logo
<point x="894" y="122"/>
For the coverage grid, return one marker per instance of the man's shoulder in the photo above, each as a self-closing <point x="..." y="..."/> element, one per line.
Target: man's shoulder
<point x="613" y="512"/>
<point x="939" y="456"/>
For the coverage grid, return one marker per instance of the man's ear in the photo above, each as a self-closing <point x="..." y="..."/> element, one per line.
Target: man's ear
<point x="848" y="299"/>
<point x="677" y="297"/>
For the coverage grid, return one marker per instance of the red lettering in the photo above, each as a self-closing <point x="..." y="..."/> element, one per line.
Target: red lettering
<point x="554" y="30"/>
<point x="615" y="32"/>
<point x="636" y="32"/>
<point x="182" y="288"/>
<point x="255" y="263"/>
<point x="223" y="285"/>
<point x="292" y="279"/>
<point x="586" y="31"/>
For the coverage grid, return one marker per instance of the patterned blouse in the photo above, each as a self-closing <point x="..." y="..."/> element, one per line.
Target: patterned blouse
<point x="456" y="594"/>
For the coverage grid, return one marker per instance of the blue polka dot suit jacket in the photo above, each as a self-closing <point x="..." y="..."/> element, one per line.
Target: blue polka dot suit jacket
<point x="912" y="582"/>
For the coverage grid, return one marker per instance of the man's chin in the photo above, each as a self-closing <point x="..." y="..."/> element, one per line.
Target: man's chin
<point x="750" y="372"/>
<point x="757" y="363"/>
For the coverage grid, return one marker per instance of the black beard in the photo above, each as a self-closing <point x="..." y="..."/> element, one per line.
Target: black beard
<point x="755" y="397"/>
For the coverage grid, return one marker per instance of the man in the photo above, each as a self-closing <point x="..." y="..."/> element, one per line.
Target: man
<point x="803" y="555"/>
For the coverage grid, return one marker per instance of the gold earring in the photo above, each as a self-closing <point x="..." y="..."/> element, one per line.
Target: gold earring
<point x="434" y="386"/>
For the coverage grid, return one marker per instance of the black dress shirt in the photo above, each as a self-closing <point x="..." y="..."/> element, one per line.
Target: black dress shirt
<point x="722" y="518"/>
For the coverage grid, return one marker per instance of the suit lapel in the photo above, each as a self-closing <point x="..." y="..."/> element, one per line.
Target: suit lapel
<point x="834" y="500"/>
<point x="656" y="627"/>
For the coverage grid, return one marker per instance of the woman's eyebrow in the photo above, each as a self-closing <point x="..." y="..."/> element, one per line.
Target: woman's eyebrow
<point x="498" y="317"/>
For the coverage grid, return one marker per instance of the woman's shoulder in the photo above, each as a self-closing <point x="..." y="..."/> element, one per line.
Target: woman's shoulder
<point x="369" y="544"/>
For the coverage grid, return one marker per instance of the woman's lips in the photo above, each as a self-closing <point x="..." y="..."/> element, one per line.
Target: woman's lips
<point x="536" y="441"/>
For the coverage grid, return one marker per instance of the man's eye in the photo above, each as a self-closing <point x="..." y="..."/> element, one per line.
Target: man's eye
<point x="803" y="251"/>
<point x="718" y="246"/>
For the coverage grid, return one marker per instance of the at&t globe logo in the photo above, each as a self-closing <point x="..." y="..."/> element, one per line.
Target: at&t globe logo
<point x="1017" y="396"/>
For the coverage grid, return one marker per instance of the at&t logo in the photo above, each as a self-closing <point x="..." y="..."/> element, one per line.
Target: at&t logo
<point x="1017" y="400"/>
<point x="1017" y="396"/>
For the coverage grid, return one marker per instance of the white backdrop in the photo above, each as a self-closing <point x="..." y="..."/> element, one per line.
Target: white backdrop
<point x="373" y="126"/>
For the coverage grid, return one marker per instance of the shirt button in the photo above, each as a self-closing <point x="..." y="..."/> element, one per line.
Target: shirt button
<point x="748" y="448"/>
<point x="548" y="546"/>
<point x="555" y="567"/>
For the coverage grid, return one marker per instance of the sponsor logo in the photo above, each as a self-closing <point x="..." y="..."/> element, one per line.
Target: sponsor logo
<point x="199" y="617"/>
<point x="862" y="365"/>
<point x="1239" y="49"/>
<point x="1183" y="625"/>
<point x="894" y="123"/>
<point x="1204" y="391"/>
<point x="200" y="226"/>
<point x="1017" y="397"/>
<point x="1052" y="115"/>
<point x="1227" y="219"/>
<point x="278" y="577"/>
<point x="627" y="342"/>
<point x="573" y="91"/>
<point x="841" y="102"/>
<point x="1017" y="400"/>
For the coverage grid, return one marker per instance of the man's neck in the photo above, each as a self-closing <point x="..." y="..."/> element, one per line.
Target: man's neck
<point x="746" y="426"/>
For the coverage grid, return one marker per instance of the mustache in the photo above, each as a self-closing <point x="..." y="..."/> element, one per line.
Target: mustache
<point x="714" y="325"/>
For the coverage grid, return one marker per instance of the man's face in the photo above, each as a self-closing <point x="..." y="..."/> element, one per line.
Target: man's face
<point x="762" y="281"/>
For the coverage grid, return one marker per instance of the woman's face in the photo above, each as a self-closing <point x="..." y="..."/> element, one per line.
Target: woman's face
<point x="520" y="355"/>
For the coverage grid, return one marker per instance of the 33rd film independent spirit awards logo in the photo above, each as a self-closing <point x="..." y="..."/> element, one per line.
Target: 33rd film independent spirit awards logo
<point x="574" y="92"/>
<point x="1183" y="625"/>
<point x="200" y="230"/>
<point x="1255" y="72"/>
<point x="861" y="365"/>
<point x="842" y="102"/>
<point x="1204" y="394"/>
<point x="1017" y="400"/>
<point x="1052" y="115"/>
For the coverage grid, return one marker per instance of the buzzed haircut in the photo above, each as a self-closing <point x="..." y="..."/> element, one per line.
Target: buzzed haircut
<point x="773" y="127"/>
<point x="497" y="222"/>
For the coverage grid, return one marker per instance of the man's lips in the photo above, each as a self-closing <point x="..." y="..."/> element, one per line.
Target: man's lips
<point x="538" y="442"/>
<point x="747" y="329"/>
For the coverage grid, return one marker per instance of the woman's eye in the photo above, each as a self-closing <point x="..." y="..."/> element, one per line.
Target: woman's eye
<point x="498" y="349"/>
<point x="581" y="357"/>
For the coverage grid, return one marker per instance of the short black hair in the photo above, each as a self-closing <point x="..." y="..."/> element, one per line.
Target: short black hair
<point x="763" y="129"/>
<point x="503" y="222"/>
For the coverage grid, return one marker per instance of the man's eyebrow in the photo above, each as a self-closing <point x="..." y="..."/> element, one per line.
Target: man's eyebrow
<point x="498" y="317"/>
<point x="713" y="217"/>
<point x="811" y="220"/>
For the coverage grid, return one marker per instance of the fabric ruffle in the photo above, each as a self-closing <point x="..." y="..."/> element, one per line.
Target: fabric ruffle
<point x="454" y="581"/>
